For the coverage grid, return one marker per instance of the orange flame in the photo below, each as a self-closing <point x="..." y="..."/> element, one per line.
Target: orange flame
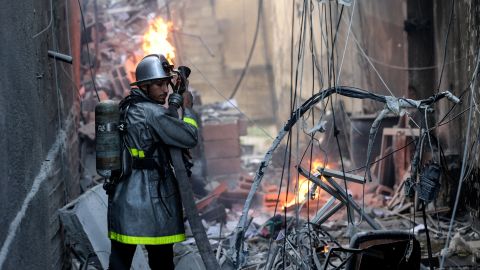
<point x="155" y="39"/>
<point x="304" y="185"/>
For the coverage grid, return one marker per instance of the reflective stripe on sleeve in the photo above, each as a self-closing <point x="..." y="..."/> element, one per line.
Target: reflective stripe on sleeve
<point x="190" y="121"/>
<point x="141" y="154"/>
<point x="145" y="240"/>
<point x="134" y="152"/>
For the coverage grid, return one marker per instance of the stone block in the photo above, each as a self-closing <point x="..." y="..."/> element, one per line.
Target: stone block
<point x="85" y="223"/>
<point x="220" y="131"/>
<point x="222" y="148"/>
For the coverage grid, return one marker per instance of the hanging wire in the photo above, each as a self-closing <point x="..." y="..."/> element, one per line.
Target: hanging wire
<point x="346" y="41"/>
<point x="251" y="121"/>
<point x="336" y="132"/>
<point x="445" y="45"/>
<point x="60" y="107"/>
<point x="462" y="172"/>
<point x="297" y="94"/>
<point x="380" y="77"/>
<point x="250" y="54"/>
<point x="88" y="52"/>
<point x="371" y="64"/>
<point x="278" y="194"/>
<point x="49" y="23"/>
<point x="404" y="68"/>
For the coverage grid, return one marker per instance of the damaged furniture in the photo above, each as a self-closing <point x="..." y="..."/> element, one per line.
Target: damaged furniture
<point x="385" y="250"/>
<point x="338" y="193"/>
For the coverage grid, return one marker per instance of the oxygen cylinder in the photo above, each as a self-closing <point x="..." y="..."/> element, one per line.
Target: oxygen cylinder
<point x="107" y="117"/>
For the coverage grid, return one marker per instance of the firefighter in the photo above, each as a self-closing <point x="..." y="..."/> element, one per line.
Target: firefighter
<point x="144" y="204"/>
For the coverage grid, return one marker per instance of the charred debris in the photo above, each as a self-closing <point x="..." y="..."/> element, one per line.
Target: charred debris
<point x="330" y="190"/>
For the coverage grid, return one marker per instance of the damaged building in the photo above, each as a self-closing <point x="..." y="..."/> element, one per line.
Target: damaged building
<point x="332" y="134"/>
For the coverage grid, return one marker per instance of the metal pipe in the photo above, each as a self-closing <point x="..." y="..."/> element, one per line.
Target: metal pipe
<point x="60" y="56"/>
<point x="353" y="204"/>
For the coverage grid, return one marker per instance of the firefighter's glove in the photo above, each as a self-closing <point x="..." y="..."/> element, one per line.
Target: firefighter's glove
<point x="175" y="100"/>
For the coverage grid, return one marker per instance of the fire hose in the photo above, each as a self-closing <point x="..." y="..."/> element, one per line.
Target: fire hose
<point x="186" y="192"/>
<point x="393" y="104"/>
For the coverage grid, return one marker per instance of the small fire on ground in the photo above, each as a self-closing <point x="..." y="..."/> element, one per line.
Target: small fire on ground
<point x="287" y="200"/>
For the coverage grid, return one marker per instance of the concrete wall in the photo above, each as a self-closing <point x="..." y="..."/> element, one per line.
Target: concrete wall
<point x="38" y="121"/>
<point x="387" y="44"/>
<point x="227" y="29"/>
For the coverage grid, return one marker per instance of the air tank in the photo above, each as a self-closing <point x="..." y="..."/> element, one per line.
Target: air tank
<point x="107" y="137"/>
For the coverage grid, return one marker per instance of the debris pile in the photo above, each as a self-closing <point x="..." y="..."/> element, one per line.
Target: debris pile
<point x="221" y="130"/>
<point x="327" y="218"/>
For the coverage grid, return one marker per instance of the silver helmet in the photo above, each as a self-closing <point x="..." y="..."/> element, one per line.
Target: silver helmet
<point x="153" y="67"/>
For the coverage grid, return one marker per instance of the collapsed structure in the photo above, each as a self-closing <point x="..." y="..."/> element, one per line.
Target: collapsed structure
<point x="340" y="189"/>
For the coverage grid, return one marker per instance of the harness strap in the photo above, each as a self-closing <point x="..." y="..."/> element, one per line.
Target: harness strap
<point x="144" y="164"/>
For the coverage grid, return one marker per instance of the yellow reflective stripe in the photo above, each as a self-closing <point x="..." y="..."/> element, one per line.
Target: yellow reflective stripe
<point x="134" y="152"/>
<point x="141" y="154"/>
<point x="190" y="121"/>
<point x="145" y="240"/>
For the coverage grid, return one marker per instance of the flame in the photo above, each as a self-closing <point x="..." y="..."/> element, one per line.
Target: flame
<point x="155" y="39"/>
<point x="304" y="185"/>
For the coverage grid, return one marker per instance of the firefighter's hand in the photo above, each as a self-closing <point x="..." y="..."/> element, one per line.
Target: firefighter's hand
<point x="175" y="100"/>
<point x="187" y="99"/>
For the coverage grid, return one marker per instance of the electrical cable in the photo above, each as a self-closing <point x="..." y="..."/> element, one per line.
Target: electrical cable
<point x="404" y="68"/>
<point x="295" y="116"/>
<point x="49" y="23"/>
<point x="313" y="123"/>
<point x="286" y="198"/>
<point x="346" y="41"/>
<point x="380" y="77"/>
<point x="427" y="130"/>
<point x="278" y="194"/>
<point x="462" y="173"/>
<point x="298" y="86"/>
<point x="371" y="64"/>
<point x="429" y="243"/>
<point x="251" y="121"/>
<point x="335" y="129"/>
<point x="88" y="52"/>
<point x="452" y="9"/>
<point x="313" y="50"/>
<point x="250" y="54"/>
<point x="384" y="157"/>
<point x="60" y="107"/>
<point x="451" y="108"/>
<point x="334" y="41"/>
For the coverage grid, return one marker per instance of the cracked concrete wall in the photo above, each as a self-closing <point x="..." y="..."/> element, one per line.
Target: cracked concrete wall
<point x="32" y="113"/>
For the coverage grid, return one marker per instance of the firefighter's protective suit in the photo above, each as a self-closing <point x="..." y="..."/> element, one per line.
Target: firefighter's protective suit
<point x="145" y="205"/>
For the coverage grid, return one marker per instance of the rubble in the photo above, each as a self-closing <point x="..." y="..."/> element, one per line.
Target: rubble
<point x="85" y="225"/>
<point x="277" y="236"/>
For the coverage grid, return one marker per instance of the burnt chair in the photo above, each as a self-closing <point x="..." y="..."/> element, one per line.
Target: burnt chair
<point x="384" y="250"/>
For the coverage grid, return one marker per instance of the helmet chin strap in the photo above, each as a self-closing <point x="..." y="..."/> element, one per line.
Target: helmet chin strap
<point x="144" y="88"/>
<point x="172" y="86"/>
